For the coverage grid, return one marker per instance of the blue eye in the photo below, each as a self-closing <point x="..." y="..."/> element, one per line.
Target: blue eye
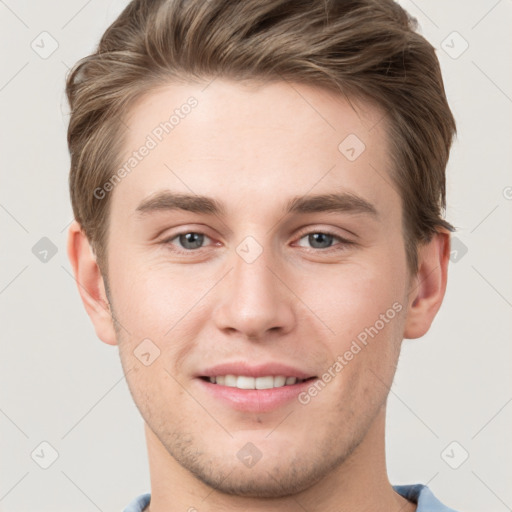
<point x="189" y="241"/>
<point x="322" y="240"/>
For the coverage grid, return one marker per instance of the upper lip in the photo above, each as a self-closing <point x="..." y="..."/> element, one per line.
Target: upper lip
<point x="252" y="370"/>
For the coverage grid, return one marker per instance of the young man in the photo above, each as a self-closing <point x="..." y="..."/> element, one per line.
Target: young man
<point x="258" y="190"/>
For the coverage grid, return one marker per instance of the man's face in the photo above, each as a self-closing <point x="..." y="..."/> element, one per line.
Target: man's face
<point x="258" y="291"/>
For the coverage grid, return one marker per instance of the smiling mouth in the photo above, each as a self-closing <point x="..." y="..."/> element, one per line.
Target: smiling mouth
<point x="248" y="382"/>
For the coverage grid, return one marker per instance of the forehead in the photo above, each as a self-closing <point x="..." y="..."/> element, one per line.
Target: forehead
<point x="261" y="142"/>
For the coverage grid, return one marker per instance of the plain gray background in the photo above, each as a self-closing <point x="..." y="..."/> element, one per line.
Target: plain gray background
<point x="450" y="410"/>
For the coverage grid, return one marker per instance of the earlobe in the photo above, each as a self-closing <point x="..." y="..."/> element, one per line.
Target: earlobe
<point x="429" y="285"/>
<point x="90" y="283"/>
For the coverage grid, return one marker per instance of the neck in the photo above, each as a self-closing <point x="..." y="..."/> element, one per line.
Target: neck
<point x="359" y="483"/>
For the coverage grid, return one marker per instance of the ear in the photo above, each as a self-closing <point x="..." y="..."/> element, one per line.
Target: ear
<point x="90" y="283"/>
<point x="428" y="286"/>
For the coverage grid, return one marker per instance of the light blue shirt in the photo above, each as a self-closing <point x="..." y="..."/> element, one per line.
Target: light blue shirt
<point x="418" y="493"/>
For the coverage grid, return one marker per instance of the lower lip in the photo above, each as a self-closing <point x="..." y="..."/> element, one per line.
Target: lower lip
<point x="255" y="400"/>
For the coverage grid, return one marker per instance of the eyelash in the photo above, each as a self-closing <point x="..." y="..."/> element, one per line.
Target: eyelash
<point x="342" y="241"/>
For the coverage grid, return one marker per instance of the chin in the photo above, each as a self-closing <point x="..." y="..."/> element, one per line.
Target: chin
<point x="277" y="471"/>
<point x="267" y="481"/>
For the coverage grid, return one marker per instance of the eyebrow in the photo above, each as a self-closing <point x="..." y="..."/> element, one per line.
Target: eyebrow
<point x="166" y="200"/>
<point x="344" y="202"/>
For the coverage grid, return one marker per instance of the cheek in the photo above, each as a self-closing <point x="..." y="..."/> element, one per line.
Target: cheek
<point x="163" y="311"/>
<point x="369" y="325"/>
<point x="151" y="299"/>
<point x="355" y="297"/>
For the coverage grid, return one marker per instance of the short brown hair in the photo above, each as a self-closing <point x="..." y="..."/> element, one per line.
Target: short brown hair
<point x="360" y="48"/>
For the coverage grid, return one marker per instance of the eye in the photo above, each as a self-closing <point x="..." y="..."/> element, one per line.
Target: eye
<point x="322" y="240"/>
<point x="189" y="240"/>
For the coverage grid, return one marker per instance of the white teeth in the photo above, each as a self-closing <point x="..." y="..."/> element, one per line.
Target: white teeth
<point x="246" y="382"/>
<point x="230" y="380"/>
<point x="279" y="381"/>
<point x="264" y="382"/>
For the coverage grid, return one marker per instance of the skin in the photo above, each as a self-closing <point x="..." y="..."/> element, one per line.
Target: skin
<point x="253" y="147"/>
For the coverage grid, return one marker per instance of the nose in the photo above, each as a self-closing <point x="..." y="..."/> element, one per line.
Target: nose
<point x="254" y="302"/>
